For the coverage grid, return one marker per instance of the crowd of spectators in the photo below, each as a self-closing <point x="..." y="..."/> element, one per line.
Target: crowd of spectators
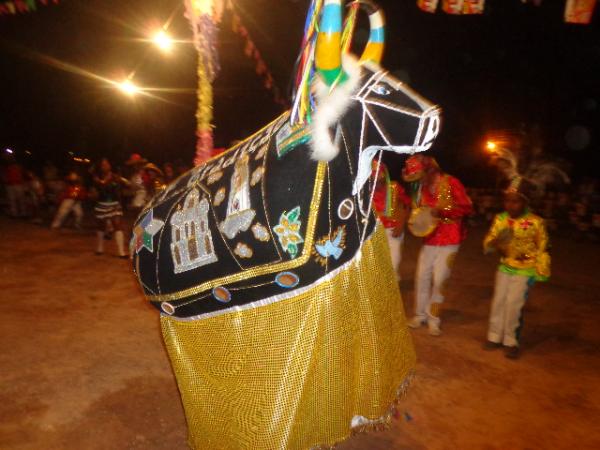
<point x="36" y="195"/>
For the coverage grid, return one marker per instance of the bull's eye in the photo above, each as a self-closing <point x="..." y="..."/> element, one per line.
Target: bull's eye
<point x="380" y="89"/>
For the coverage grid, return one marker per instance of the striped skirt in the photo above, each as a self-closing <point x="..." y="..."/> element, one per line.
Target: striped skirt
<point x="108" y="210"/>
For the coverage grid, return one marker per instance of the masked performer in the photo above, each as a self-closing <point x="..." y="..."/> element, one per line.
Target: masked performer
<point x="391" y="205"/>
<point x="443" y="200"/>
<point x="108" y="210"/>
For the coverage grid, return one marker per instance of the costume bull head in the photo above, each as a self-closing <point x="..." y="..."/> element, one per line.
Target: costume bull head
<point x="289" y="206"/>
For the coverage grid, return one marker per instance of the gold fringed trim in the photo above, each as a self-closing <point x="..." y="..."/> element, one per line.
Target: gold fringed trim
<point x="381" y="424"/>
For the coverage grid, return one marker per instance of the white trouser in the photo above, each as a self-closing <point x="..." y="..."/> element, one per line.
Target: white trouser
<point x="66" y="206"/>
<point x="510" y="294"/>
<point x="16" y="199"/>
<point x="433" y="270"/>
<point x="395" y="244"/>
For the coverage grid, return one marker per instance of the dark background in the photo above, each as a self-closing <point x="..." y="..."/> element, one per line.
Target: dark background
<point x="514" y="67"/>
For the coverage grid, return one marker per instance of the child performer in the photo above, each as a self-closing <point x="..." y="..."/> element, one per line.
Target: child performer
<point x="391" y="206"/>
<point x="520" y="238"/>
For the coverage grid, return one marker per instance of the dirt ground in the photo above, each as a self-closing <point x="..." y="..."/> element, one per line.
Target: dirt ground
<point x="83" y="366"/>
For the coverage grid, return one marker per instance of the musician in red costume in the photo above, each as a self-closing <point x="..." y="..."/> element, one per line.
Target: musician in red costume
<point x="391" y="206"/>
<point x="445" y="198"/>
<point x="70" y="201"/>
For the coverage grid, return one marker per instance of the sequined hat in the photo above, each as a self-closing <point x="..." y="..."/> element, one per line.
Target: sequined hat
<point x="135" y="159"/>
<point x="416" y="166"/>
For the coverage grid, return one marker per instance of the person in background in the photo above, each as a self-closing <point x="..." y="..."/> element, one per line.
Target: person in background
<point x="181" y="167"/>
<point x="520" y="238"/>
<point x="169" y="173"/>
<point x="154" y="180"/>
<point x="53" y="183"/>
<point x="391" y="206"/>
<point x="36" y="196"/>
<point x="137" y="181"/>
<point x="13" y="177"/>
<point x="448" y="201"/>
<point x="71" y="200"/>
<point x="108" y="209"/>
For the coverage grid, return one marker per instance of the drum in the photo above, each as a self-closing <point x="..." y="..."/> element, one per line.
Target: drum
<point x="421" y="222"/>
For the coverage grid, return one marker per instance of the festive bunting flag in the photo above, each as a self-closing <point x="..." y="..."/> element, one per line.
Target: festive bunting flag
<point x="428" y="5"/>
<point x="23" y="6"/>
<point x="252" y="52"/>
<point x="579" y="11"/>
<point x="473" y="6"/>
<point x="452" y="6"/>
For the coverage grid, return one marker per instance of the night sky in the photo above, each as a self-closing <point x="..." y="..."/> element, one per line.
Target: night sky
<point x="515" y="66"/>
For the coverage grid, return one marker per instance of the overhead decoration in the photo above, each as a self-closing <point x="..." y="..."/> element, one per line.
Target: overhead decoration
<point x="453" y="6"/>
<point x="429" y="6"/>
<point x="23" y="6"/>
<point x="579" y="11"/>
<point x="251" y="51"/>
<point x="576" y="11"/>
<point x="463" y="6"/>
<point x="204" y="16"/>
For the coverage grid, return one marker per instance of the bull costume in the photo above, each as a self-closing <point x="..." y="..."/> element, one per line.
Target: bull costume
<point x="280" y="333"/>
<point x="446" y="198"/>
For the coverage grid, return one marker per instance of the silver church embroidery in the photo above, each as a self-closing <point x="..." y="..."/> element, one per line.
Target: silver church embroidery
<point x="191" y="239"/>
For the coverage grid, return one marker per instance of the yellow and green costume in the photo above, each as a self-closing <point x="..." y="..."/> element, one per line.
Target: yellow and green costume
<point x="525" y="252"/>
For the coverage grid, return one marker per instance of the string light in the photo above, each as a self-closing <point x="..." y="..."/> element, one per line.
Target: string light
<point x="163" y="41"/>
<point x="128" y="87"/>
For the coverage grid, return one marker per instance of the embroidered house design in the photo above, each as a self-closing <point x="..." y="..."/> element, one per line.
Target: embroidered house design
<point x="239" y="211"/>
<point x="191" y="239"/>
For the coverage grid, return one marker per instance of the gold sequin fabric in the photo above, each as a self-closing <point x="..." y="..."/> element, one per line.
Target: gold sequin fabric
<point x="524" y="242"/>
<point x="292" y="374"/>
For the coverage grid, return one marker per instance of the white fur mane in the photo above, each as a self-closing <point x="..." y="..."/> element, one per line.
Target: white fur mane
<point x="331" y="106"/>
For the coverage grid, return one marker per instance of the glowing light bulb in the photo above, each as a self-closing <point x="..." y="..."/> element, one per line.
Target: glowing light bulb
<point x="491" y="146"/>
<point x="163" y="41"/>
<point x="128" y="87"/>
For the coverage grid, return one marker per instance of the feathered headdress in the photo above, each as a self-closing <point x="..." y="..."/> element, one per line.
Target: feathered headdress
<point x="530" y="181"/>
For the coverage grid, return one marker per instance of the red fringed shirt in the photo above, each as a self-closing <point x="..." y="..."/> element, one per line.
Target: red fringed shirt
<point x="449" y="197"/>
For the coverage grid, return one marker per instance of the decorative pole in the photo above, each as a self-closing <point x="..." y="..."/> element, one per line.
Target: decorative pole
<point x="204" y="15"/>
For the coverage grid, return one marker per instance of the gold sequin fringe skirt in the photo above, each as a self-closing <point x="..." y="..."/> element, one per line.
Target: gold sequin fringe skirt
<point x="294" y="373"/>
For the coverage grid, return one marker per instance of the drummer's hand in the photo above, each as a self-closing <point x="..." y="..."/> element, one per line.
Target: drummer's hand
<point x="397" y="232"/>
